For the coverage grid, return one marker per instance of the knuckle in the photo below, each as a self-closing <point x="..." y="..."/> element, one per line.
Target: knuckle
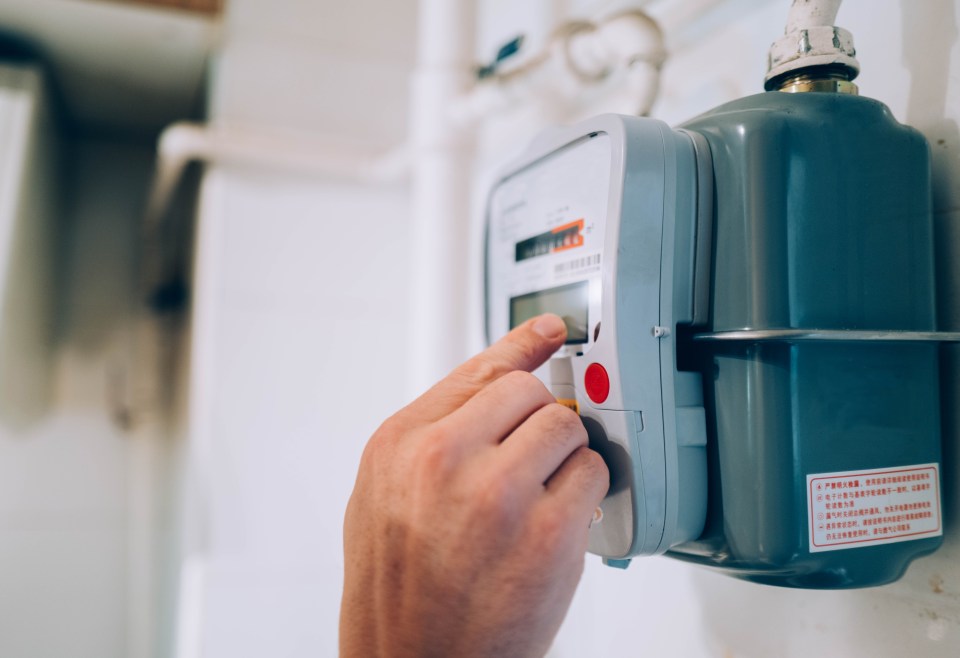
<point x="497" y="502"/>
<point x="389" y="429"/>
<point x="372" y="452"/>
<point x="565" y="424"/>
<point x="478" y="371"/>
<point x="384" y="440"/>
<point x="524" y="382"/>
<point x="517" y="378"/>
<point x="592" y="465"/>
<point x="436" y="455"/>
<point x="569" y="419"/>
<point x="593" y="460"/>
<point x="552" y="526"/>
<point x="435" y="433"/>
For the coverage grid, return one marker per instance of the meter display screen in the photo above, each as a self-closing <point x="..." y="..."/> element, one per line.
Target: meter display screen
<point x="569" y="302"/>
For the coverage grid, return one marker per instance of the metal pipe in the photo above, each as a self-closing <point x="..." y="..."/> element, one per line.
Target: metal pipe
<point x="811" y="40"/>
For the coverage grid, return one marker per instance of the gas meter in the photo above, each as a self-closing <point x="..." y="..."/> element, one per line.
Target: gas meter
<point x="751" y="329"/>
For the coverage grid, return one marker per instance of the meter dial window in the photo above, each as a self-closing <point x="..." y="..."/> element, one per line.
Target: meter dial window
<point x="570" y="302"/>
<point x="546" y="238"/>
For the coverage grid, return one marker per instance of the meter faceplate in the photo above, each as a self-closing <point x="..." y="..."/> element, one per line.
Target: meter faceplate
<point x="599" y="224"/>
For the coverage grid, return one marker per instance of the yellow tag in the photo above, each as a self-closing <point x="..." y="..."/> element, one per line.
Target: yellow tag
<point x="569" y="404"/>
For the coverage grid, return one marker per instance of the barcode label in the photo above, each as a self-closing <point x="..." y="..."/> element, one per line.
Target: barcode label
<point x="578" y="264"/>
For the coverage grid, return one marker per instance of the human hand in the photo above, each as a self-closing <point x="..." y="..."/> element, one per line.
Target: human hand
<point x="466" y="531"/>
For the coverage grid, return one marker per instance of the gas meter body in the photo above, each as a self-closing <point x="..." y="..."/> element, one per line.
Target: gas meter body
<point x="752" y="339"/>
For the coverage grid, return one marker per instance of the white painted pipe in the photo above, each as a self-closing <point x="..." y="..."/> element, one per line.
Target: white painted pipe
<point x="618" y="41"/>
<point x="625" y="50"/>
<point x="805" y="14"/>
<point x="185" y="142"/>
<point x="633" y="43"/>
<point x="441" y="174"/>
<point x="194" y="522"/>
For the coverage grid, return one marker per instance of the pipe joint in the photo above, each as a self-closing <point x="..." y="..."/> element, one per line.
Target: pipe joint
<point x="810" y="40"/>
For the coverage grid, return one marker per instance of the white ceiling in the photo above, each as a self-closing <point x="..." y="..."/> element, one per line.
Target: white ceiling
<point x="118" y="66"/>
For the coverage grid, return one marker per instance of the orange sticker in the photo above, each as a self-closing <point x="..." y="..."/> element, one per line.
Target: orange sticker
<point x="573" y="235"/>
<point x="569" y="404"/>
<point x="577" y="224"/>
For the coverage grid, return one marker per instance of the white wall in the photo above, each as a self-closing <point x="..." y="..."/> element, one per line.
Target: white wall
<point x="299" y="330"/>
<point x="299" y="345"/>
<point x="299" y="325"/>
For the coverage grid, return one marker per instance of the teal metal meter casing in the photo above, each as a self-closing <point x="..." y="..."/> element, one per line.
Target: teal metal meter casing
<point x="755" y="333"/>
<point x="822" y="351"/>
<point x="600" y="224"/>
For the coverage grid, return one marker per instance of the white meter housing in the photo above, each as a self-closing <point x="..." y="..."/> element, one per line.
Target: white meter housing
<point x="606" y="224"/>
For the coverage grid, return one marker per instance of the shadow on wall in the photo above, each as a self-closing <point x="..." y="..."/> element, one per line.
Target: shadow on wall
<point x="28" y="223"/>
<point x="929" y="36"/>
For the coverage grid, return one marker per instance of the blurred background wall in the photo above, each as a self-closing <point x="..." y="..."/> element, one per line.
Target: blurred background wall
<point x="196" y="376"/>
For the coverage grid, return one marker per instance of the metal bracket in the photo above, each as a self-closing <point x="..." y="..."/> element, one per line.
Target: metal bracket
<point x="829" y="335"/>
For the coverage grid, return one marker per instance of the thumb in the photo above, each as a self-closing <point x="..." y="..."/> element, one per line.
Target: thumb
<point x="527" y="347"/>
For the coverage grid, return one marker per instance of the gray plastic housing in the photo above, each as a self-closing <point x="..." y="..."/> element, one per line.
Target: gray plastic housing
<point x="651" y="428"/>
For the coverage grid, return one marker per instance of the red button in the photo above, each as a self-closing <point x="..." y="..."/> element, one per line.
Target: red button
<point x="597" y="382"/>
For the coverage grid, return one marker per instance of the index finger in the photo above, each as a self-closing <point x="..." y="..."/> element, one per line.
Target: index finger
<point x="527" y="347"/>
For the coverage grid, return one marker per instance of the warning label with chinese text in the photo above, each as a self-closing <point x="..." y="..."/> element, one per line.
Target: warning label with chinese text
<point x="879" y="506"/>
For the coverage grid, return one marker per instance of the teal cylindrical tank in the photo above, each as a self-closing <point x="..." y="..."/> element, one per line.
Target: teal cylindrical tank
<point x="822" y="222"/>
